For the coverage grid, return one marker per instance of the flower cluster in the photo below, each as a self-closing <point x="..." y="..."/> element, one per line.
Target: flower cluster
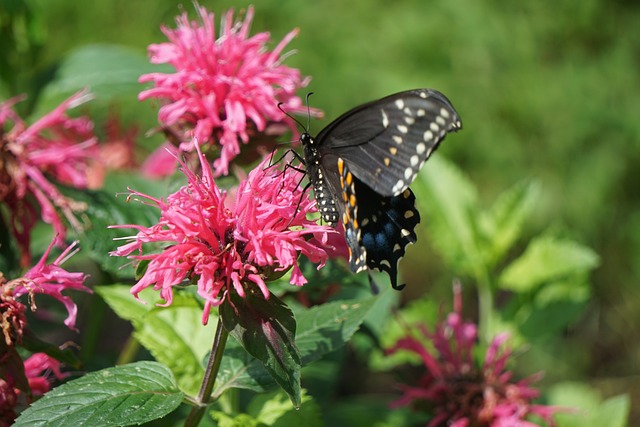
<point x="55" y="146"/>
<point x="459" y="392"/>
<point x="225" y="89"/>
<point x="229" y="244"/>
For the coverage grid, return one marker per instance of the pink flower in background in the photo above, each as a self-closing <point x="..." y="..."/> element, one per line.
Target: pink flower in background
<point x="116" y="151"/>
<point x="40" y="371"/>
<point x="224" y="89"/>
<point x="226" y="244"/>
<point x="50" y="279"/>
<point x="160" y="163"/>
<point x="459" y="392"/>
<point x="55" y="146"/>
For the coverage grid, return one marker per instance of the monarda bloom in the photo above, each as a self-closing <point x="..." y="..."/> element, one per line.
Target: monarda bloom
<point x="43" y="278"/>
<point x="225" y="89"/>
<point x="55" y="147"/>
<point x="458" y="391"/>
<point x="225" y="244"/>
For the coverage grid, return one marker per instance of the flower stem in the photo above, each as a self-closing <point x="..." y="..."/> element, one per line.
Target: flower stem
<point x="485" y="303"/>
<point x="210" y="374"/>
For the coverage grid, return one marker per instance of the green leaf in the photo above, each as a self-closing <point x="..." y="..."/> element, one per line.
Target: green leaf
<point x="320" y="330"/>
<point x="547" y="259"/>
<point x="126" y="306"/>
<point x="124" y="395"/>
<point x="552" y="308"/>
<point x="111" y="74"/>
<point x="502" y="224"/>
<point x="108" y="207"/>
<point x="239" y="369"/>
<point x="325" y="328"/>
<point x="449" y="203"/>
<point x="266" y="329"/>
<point x="586" y="408"/>
<point x="275" y="409"/>
<point x="174" y="335"/>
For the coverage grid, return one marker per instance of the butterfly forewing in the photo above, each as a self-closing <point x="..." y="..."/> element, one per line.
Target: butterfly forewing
<point x="386" y="142"/>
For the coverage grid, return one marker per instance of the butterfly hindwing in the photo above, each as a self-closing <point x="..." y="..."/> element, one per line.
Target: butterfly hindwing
<point x="377" y="228"/>
<point x="386" y="142"/>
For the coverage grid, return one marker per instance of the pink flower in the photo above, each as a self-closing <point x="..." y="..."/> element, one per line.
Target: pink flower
<point x="52" y="280"/>
<point x="40" y="371"/>
<point x="160" y="163"/>
<point x="458" y="391"/>
<point x="226" y="245"/>
<point x="226" y="89"/>
<point x="57" y="146"/>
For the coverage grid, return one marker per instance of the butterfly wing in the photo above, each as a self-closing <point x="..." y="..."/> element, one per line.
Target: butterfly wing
<point x="386" y="142"/>
<point x="377" y="228"/>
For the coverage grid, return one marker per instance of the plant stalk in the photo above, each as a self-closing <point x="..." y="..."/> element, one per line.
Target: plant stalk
<point x="210" y="374"/>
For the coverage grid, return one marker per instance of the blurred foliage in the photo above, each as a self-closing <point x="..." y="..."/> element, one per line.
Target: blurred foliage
<point x="546" y="90"/>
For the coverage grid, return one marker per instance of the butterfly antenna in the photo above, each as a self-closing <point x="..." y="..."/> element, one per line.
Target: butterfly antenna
<point x="290" y="116"/>
<point x="308" y="111"/>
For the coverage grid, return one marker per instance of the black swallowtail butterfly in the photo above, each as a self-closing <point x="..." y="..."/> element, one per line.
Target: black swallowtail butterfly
<point x="361" y="166"/>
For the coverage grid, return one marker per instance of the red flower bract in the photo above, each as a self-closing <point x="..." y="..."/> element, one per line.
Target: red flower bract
<point x="459" y="392"/>
<point x="225" y="88"/>
<point x="225" y="244"/>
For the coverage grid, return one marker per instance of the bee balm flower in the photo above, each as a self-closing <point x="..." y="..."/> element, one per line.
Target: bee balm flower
<point x="225" y="89"/>
<point x="227" y="244"/>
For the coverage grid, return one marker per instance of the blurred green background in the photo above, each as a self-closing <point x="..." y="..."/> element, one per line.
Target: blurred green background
<point x="546" y="89"/>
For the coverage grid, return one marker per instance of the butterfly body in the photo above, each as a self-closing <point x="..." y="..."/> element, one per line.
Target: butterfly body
<point x="361" y="166"/>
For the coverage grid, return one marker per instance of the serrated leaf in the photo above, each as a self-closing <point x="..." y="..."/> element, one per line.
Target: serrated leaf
<point x="266" y="329"/>
<point x="502" y="224"/>
<point x="174" y="335"/>
<point x="239" y="369"/>
<point x="325" y="328"/>
<point x="120" y="396"/>
<point x="448" y="200"/>
<point x="320" y="330"/>
<point x="547" y="259"/>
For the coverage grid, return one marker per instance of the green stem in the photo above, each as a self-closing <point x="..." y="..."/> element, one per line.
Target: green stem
<point x="128" y="353"/>
<point x="210" y="374"/>
<point x="485" y="305"/>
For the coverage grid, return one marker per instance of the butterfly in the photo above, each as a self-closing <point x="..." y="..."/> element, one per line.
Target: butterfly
<point x="361" y="166"/>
